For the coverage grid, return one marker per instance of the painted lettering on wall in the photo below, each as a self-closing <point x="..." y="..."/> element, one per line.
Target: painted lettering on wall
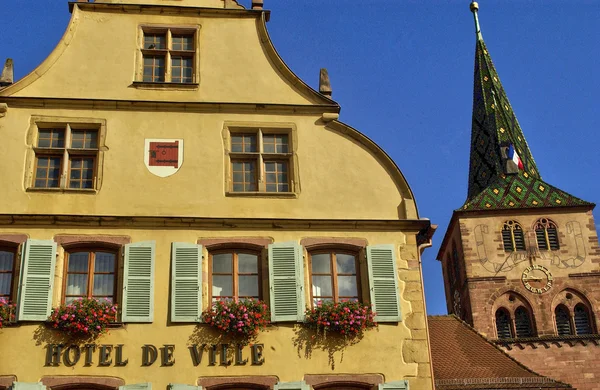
<point x="106" y="355"/>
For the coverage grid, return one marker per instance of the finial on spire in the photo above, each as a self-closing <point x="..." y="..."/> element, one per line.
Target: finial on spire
<point x="474" y="8"/>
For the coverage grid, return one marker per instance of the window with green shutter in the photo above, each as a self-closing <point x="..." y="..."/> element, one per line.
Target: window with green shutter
<point x="383" y="283"/>
<point x="177" y="386"/>
<point x="37" y="280"/>
<point x="137" y="386"/>
<point x="138" y="282"/>
<point x="28" y="386"/>
<point x="186" y="283"/>
<point x="286" y="281"/>
<point x="301" y="385"/>
<point x="396" y="385"/>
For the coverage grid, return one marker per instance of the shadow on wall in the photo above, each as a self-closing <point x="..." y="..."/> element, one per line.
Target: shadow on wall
<point x="308" y="340"/>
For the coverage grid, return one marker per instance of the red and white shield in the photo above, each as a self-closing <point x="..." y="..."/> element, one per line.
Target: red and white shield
<point x="163" y="157"/>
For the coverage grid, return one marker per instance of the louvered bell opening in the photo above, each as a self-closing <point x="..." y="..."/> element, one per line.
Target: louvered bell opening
<point x="541" y="239"/>
<point x="507" y="241"/>
<point x="519" y="240"/>
<point x="563" y="322"/>
<point x="553" y="238"/>
<point x="582" y="320"/>
<point x="503" y="325"/>
<point x="523" y="323"/>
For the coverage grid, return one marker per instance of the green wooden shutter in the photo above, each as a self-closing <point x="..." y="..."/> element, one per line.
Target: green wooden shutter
<point x="186" y="283"/>
<point x="137" y="386"/>
<point x="37" y="279"/>
<point x="28" y="386"/>
<point x="397" y="385"/>
<point x="291" y="386"/>
<point x="138" y="282"/>
<point x="286" y="278"/>
<point x="384" y="282"/>
<point x="177" y="386"/>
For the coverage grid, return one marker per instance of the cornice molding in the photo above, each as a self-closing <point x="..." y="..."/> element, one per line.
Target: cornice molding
<point x="401" y="225"/>
<point x="150" y="105"/>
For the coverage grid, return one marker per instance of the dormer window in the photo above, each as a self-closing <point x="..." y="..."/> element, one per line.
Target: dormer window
<point x="169" y="55"/>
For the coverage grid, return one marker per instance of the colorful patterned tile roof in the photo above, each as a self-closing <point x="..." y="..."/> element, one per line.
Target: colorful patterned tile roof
<point x="493" y="182"/>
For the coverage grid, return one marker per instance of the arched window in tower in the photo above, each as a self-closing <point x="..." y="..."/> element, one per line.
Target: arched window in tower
<point x="503" y="326"/>
<point x="523" y="326"/>
<point x="582" y="319"/>
<point x="563" y="321"/>
<point x="546" y="234"/>
<point x="512" y="236"/>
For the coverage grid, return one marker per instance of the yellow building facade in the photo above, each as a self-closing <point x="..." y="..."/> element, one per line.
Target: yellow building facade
<point x="164" y="157"/>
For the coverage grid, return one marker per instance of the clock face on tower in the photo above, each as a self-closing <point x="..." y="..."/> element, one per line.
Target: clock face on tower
<point x="537" y="279"/>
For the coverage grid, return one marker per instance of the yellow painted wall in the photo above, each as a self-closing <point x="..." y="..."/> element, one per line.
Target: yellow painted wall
<point x="341" y="175"/>
<point x="397" y="351"/>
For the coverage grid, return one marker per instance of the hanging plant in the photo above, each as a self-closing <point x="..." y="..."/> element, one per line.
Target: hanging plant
<point x="242" y="319"/>
<point x="349" y="318"/>
<point x="86" y="317"/>
<point x="7" y="312"/>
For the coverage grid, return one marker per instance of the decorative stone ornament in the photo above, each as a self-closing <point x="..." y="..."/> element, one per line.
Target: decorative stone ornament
<point x="537" y="279"/>
<point x="163" y="157"/>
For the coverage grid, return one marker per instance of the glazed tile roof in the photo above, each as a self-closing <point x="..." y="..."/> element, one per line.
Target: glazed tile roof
<point x="494" y="129"/>
<point x="464" y="359"/>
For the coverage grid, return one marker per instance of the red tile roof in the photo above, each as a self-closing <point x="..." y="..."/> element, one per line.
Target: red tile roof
<point x="464" y="359"/>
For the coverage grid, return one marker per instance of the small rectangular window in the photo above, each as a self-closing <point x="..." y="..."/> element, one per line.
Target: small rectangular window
<point x="168" y="56"/>
<point x="334" y="276"/>
<point x="66" y="157"/>
<point x="235" y="274"/>
<point x="261" y="160"/>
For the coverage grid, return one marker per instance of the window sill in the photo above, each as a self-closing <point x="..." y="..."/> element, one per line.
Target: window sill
<point x="257" y="194"/>
<point x="90" y="191"/>
<point x="165" y="85"/>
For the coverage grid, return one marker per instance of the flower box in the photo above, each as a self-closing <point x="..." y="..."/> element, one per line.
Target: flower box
<point x="349" y="318"/>
<point x="86" y="318"/>
<point x="7" y="313"/>
<point x="242" y="319"/>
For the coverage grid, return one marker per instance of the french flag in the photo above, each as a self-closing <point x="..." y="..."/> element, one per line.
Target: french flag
<point x="512" y="155"/>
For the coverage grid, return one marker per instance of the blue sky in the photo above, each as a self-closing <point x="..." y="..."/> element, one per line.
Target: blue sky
<point x="402" y="71"/>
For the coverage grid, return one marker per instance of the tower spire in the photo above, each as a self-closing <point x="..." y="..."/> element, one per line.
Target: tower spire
<point x="475" y="8"/>
<point x="502" y="172"/>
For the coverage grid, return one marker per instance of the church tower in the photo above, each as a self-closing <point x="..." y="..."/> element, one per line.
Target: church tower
<point x="520" y="258"/>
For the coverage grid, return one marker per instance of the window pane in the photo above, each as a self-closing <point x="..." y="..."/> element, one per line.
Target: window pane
<point x="105" y="262"/>
<point x="6" y="261"/>
<point x="154" y="41"/>
<point x="77" y="284"/>
<point x="243" y="143"/>
<point x="78" y="262"/>
<point x="87" y="139"/>
<point x="346" y="264"/>
<point x="103" y="285"/>
<point x="222" y="286"/>
<point x="321" y="263"/>
<point x="154" y="68"/>
<point x="51" y="138"/>
<point x="248" y="286"/>
<point x="5" y="279"/>
<point x="322" y="286"/>
<point x="48" y="172"/>
<point x="183" y="42"/>
<point x="275" y="143"/>
<point x="246" y="172"/>
<point x="247" y="263"/>
<point x="222" y="263"/>
<point x="347" y="286"/>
